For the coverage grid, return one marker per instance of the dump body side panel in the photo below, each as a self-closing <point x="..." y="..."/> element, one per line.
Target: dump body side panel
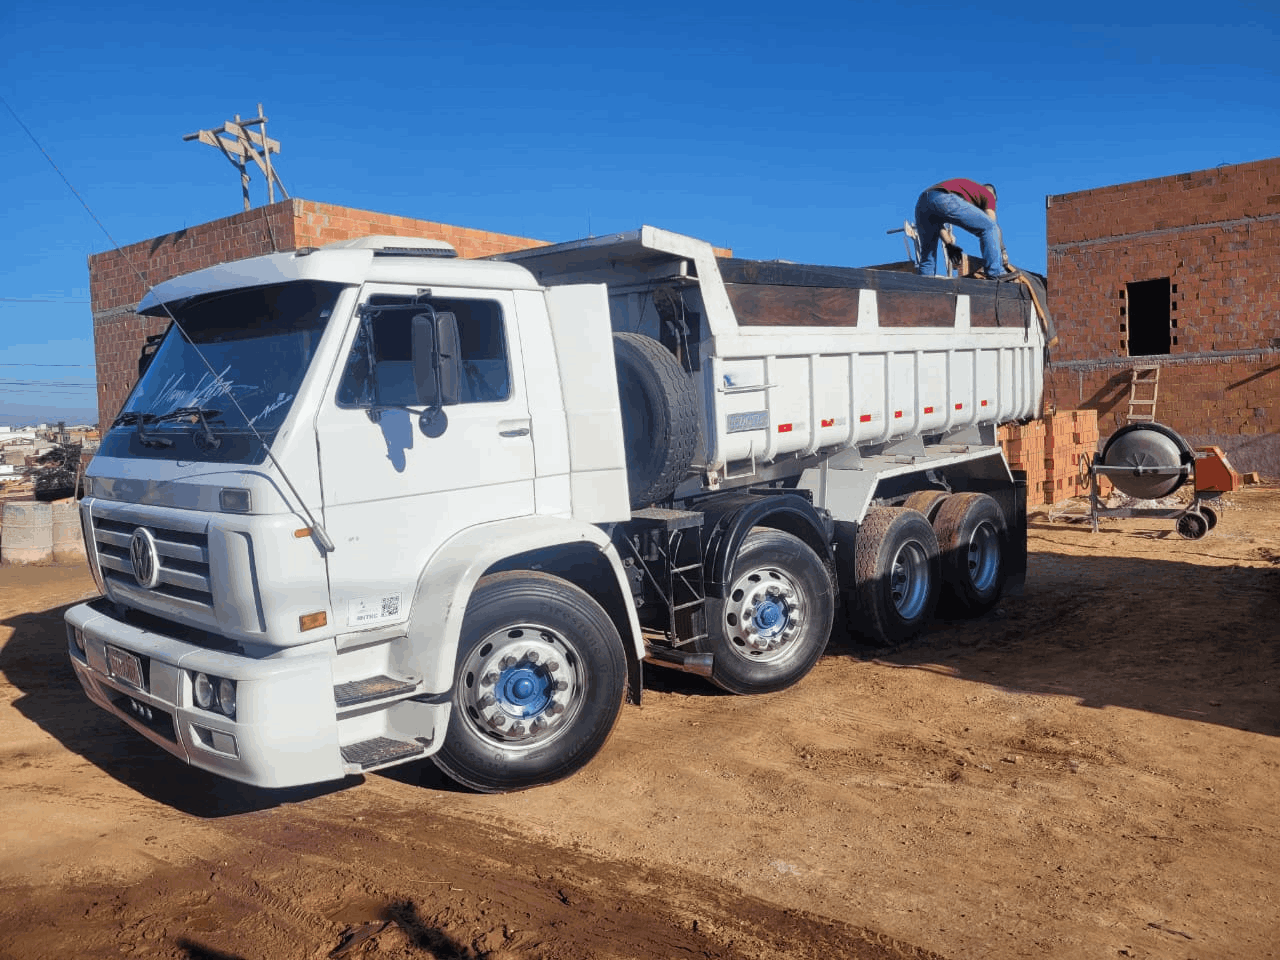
<point x="796" y="360"/>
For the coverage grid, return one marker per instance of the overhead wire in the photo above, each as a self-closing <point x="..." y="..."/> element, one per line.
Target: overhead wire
<point x="321" y="536"/>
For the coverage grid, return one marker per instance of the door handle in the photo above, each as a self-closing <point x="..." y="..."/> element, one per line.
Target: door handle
<point x="513" y="428"/>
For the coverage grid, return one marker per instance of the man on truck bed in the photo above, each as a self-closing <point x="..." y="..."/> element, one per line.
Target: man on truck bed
<point x="967" y="204"/>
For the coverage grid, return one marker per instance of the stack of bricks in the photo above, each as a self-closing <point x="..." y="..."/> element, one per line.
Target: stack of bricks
<point x="1049" y="451"/>
<point x="1023" y="446"/>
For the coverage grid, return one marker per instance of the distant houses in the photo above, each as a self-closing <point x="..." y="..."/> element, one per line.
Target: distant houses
<point x="21" y="448"/>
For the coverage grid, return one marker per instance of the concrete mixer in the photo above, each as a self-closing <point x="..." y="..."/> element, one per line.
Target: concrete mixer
<point x="1150" y="461"/>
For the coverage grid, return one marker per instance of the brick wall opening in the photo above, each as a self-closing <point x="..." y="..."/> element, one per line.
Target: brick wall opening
<point x="1148" y="314"/>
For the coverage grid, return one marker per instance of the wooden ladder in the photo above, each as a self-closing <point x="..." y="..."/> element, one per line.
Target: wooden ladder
<point x="1144" y="387"/>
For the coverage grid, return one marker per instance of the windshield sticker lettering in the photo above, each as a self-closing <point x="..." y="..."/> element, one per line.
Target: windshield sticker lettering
<point x="173" y="395"/>
<point x="281" y="400"/>
<point x="366" y="610"/>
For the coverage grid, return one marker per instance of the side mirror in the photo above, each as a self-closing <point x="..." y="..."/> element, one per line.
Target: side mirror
<point x="436" y="361"/>
<point x="437" y="366"/>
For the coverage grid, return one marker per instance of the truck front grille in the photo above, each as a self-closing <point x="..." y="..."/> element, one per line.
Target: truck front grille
<point x="184" y="559"/>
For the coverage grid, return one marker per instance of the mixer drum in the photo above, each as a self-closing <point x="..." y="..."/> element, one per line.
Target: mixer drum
<point x="1147" y="446"/>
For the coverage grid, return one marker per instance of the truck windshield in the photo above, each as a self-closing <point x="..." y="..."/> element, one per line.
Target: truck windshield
<point x="259" y="342"/>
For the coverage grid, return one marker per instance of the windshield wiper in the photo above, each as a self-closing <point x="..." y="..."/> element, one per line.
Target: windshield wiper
<point x="207" y="440"/>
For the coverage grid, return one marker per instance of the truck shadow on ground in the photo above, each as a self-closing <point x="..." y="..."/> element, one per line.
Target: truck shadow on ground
<point x="1163" y="636"/>
<point x="35" y="661"/>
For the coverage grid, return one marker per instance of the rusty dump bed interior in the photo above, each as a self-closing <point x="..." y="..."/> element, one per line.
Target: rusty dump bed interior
<point x="770" y="293"/>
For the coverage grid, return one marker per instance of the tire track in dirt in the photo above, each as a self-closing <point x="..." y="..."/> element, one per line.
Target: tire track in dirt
<point x="284" y="891"/>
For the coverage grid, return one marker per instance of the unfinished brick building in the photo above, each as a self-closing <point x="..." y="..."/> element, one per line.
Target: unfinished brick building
<point x="115" y="287"/>
<point x="1182" y="272"/>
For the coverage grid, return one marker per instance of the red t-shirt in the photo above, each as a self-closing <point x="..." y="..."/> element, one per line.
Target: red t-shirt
<point x="975" y="193"/>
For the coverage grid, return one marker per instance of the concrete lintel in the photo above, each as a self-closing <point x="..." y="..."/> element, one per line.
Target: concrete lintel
<point x="1166" y="360"/>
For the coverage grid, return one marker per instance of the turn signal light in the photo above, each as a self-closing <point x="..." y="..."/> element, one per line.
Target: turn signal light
<point x="310" y="621"/>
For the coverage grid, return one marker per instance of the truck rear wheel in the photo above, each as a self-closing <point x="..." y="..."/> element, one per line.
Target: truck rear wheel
<point x="659" y="417"/>
<point x="972" y="541"/>
<point x="775" y="620"/>
<point x="538" y="687"/>
<point x="896" y="574"/>
<point x="927" y="502"/>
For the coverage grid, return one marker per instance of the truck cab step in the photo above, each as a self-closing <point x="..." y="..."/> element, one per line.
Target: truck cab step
<point x="381" y="687"/>
<point x="380" y="750"/>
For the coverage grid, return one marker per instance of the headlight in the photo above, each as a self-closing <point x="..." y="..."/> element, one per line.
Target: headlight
<point x="234" y="500"/>
<point x="227" y="697"/>
<point x="204" y="692"/>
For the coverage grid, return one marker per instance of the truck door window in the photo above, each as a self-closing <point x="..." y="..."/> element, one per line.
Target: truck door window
<point x="380" y="367"/>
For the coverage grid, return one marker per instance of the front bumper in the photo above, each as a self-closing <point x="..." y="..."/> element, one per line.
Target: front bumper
<point x="287" y="730"/>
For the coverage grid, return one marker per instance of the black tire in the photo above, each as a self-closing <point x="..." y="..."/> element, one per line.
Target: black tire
<point x="550" y="664"/>
<point x="775" y="620"/>
<point x="896" y="575"/>
<point x="927" y="502"/>
<point x="1210" y="514"/>
<point x="1192" y="526"/>
<point x="659" y="417"/>
<point x="973" y="545"/>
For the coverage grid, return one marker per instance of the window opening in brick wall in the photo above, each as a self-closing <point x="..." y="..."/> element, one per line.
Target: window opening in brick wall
<point x="1149" y="317"/>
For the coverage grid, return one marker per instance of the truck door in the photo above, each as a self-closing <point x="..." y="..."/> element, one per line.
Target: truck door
<point x="392" y="494"/>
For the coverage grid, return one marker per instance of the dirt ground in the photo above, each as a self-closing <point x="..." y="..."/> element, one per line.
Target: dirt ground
<point x="1090" y="771"/>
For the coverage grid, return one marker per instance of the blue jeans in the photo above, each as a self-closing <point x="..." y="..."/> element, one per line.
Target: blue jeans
<point x="936" y="208"/>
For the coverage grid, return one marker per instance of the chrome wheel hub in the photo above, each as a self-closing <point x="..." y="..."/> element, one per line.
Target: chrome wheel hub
<point x="909" y="580"/>
<point x="522" y="685"/>
<point x="983" y="557"/>
<point x="763" y="614"/>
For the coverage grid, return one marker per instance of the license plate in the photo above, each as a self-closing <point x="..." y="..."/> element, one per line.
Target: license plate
<point x="125" y="666"/>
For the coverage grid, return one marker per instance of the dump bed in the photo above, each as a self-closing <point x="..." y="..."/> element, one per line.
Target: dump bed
<point x="794" y="360"/>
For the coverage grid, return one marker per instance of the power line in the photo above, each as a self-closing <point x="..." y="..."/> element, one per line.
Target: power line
<point x="38" y="300"/>
<point x="88" y="384"/>
<point x="89" y="365"/>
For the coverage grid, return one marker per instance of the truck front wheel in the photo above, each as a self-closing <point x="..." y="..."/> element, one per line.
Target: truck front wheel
<point x="540" y="679"/>
<point x="775" y="619"/>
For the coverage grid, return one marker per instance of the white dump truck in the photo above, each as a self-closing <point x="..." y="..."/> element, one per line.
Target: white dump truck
<point x="371" y="503"/>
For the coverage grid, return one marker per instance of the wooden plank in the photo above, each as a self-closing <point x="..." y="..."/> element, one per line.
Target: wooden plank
<point x="901" y="308"/>
<point x="734" y="270"/>
<point x="1000" y="305"/>
<point x="768" y="305"/>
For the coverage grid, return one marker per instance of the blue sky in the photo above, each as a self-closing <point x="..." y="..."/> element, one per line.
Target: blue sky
<point x="802" y="133"/>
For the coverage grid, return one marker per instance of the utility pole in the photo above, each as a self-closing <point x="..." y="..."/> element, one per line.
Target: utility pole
<point x="240" y="143"/>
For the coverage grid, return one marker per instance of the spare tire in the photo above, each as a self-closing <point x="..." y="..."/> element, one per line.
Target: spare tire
<point x="659" y="417"/>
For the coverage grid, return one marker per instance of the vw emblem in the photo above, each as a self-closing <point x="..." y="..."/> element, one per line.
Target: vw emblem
<point x="146" y="561"/>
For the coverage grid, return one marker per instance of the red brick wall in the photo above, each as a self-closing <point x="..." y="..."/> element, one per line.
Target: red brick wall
<point x="1231" y="402"/>
<point x="1216" y="235"/>
<point x="319" y="223"/>
<point x="1230" y="192"/>
<point x="115" y="286"/>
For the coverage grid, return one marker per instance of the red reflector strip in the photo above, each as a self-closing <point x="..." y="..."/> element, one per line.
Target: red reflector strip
<point x="784" y="428"/>
<point x="865" y="418"/>
<point x="829" y="423"/>
<point x="959" y="406"/>
<point x="897" y="414"/>
<point x="928" y="409"/>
